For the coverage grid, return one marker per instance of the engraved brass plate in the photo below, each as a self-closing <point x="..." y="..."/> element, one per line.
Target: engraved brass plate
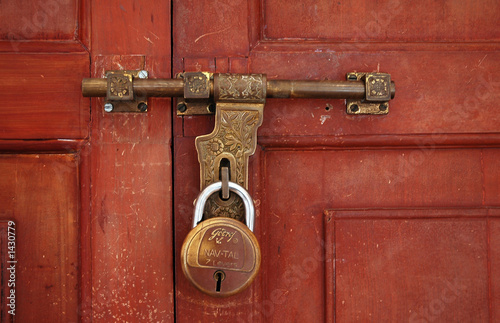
<point x="247" y="88"/>
<point x="240" y="105"/>
<point x="239" y="111"/>
<point x="234" y="138"/>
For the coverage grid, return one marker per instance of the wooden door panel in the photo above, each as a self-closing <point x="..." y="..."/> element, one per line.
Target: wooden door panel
<point x="131" y="235"/>
<point x="124" y="175"/>
<point x="454" y="93"/>
<point x="37" y="26"/>
<point x="353" y="179"/>
<point x="491" y="164"/>
<point x="45" y="121"/>
<point x="41" y="194"/>
<point x="133" y="27"/>
<point x="131" y="165"/>
<point x="41" y="89"/>
<point x="414" y="270"/>
<point x="39" y="20"/>
<point x="395" y="20"/>
<point x="42" y="96"/>
<point x="360" y="178"/>
<point x="221" y="28"/>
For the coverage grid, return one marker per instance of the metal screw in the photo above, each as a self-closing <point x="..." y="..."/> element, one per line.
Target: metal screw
<point x="352" y="77"/>
<point x="142" y="107"/>
<point x="354" y="108"/>
<point x="108" y="107"/>
<point x="182" y="107"/>
<point x="211" y="107"/>
<point x="143" y="74"/>
<point x="383" y="107"/>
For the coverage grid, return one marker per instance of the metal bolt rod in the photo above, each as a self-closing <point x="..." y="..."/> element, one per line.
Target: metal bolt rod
<point x="159" y="87"/>
<point x="275" y="88"/>
<point x="142" y="87"/>
<point x="318" y="89"/>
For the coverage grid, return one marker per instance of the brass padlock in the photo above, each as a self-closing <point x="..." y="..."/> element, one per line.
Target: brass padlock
<point x="221" y="256"/>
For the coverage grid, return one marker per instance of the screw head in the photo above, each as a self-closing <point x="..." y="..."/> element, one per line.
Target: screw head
<point x="354" y="108"/>
<point x="211" y="107"/>
<point x="142" y="107"/>
<point x="352" y="77"/>
<point x="383" y="107"/>
<point x="182" y="107"/>
<point x="108" y="107"/>
<point x="143" y="74"/>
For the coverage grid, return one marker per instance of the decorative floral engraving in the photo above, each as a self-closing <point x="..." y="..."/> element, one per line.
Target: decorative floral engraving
<point x="239" y="137"/>
<point x="216" y="146"/>
<point x="197" y="84"/>
<point x="378" y="87"/>
<point x="235" y="210"/>
<point x="236" y="136"/>
<point x="119" y="86"/>
<point x="241" y="87"/>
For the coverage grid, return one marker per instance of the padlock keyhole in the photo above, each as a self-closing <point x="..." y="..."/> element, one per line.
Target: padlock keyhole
<point x="219" y="276"/>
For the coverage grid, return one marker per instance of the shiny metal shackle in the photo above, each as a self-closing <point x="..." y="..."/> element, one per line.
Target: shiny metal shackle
<point x="233" y="187"/>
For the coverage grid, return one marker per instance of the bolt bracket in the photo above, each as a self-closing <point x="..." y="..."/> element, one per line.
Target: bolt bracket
<point x="198" y="98"/>
<point x="120" y="91"/>
<point x="377" y="96"/>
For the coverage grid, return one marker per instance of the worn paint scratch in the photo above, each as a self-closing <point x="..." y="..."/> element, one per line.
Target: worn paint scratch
<point x="212" y="33"/>
<point x="481" y="61"/>
<point x="102" y="217"/>
<point x="323" y="118"/>
<point x="154" y="34"/>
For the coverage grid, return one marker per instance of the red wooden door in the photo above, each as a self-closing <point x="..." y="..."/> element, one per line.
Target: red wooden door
<point x="360" y="218"/>
<point x="89" y="192"/>
<point x="43" y="131"/>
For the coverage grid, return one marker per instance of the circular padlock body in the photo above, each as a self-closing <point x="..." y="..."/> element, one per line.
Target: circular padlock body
<point x="220" y="256"/>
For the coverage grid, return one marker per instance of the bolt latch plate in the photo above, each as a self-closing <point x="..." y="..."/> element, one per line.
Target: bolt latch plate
<point x="198" y="97"/>
<point x="378" y="94"/>
<point x="120" y="96"/>
<point x="239" y="112"/>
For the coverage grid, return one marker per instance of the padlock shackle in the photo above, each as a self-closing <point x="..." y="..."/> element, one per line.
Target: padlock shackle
<point x="233" y="187"/>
